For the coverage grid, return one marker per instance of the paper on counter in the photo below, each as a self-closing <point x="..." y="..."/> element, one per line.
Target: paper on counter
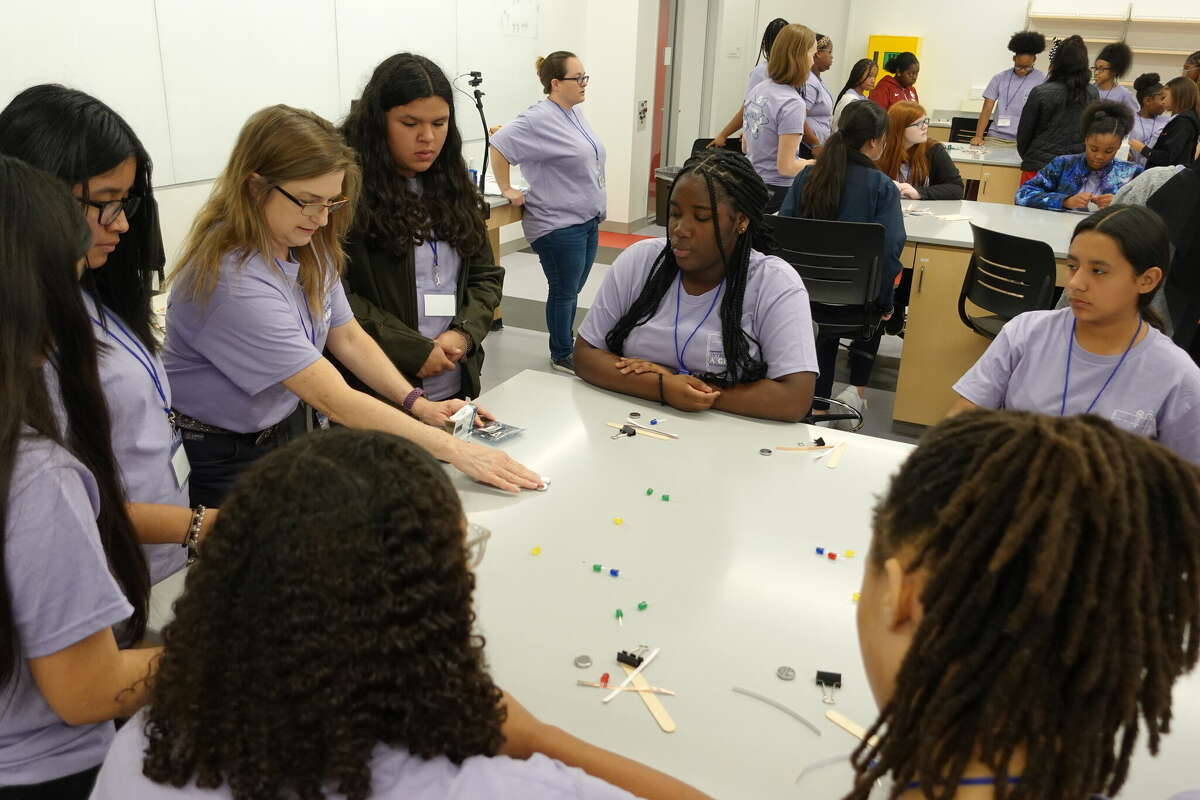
<point x="953" y="217"/>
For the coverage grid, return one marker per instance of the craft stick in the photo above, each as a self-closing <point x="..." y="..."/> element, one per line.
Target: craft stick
<point x="779" y="706"/>
<point x="835" y="457"/>
<point x="629" y="680"/>
<point x="850" y="727"/>
<point x="641" y="431"/>
<point x="659" y="431"/>
<point x="657" y="710"/>
<point x="807" y="449"/>
<point x="651" y="689"/>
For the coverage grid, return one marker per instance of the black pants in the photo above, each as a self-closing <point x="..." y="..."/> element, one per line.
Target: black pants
<point x="862" y="359"/>
<point x="71" y="787"/>
<point x="217" y="459"/>
<point x="776" y="198"/>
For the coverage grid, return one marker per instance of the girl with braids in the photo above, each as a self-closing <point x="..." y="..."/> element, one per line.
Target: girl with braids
<point x="1031" y="594"/>
<point x="370" y="681"/>
<point x="655" y="330"/>
<point x="1110" y="66"/>
<point x="1091" y="177"/>
<point x="109" y="172"/>
<point x="419" y="271"/>
<point x="757" y="76"/>
<point x="1007" y="91"/>
<point x="1105" y="354"/>
<point x="846" y="185"/>
<point x="71" y="566"/>
<point x="859" y="83"/>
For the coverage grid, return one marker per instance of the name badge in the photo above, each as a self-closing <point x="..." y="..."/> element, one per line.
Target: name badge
<point x="440" y="305"/>
<point x="600" y="177"/>
<point x="179" y="461"/>
<point x="1004" y="122"/>
<point x="322" y="421"/>
<point x="714" y="359"/>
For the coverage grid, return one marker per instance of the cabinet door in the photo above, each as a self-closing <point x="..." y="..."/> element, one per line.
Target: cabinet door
<point x="938" y="347"/>
<point x="999" y="184"/>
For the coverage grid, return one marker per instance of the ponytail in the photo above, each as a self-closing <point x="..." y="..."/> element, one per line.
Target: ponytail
<point x="824" y="181"/>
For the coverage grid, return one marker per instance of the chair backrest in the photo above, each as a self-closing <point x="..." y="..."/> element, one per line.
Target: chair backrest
<point x="1009" y="275"/>
<point x="962" y="129"/>
<point x="733" y="144"/>
<point x="840" y="263"/>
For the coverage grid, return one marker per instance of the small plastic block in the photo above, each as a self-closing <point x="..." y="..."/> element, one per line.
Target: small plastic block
<point x="619" y="615"/>
<point x="820" y="551"/>
<point x="604" y="680"/>
<point x="832" y="556"/>
<point x="854" y="597"/>
<point x="537" y="551"/>
<point x="653" y="422"/>
<point x="666" y="498"/>
<point x="597" y="568"/>
<point x="618" y="521"/>
<point x="642" y="606"/>
<point x="616" y="573"/>
<point x="848" y="554"/>
<point x="649" y="492"/>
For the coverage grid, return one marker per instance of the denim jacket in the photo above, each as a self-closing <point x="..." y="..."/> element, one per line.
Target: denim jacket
<point x="1066" y="176"/>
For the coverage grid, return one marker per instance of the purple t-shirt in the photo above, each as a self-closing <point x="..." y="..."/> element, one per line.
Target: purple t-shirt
<point x="771" y="110"/>
<point x="819" y="104"/>
<point x="1120" y="94"/>
<point x="61" y="593"/>
<point x="1010" y="91"/>
<point x="1156" y="392"/>
<point x="1146" y="131"/>
<point x="434" y="281"/>
<point x="563" y="160"/>
<point x="143" y="439"/>
<point x="757" y="76"/>
<point x="228" y="357"/>
<point x="775" y="312"/>
<point x="395" y="775"/>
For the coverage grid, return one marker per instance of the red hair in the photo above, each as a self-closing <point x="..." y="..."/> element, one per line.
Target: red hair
<point x="896" y="151"/>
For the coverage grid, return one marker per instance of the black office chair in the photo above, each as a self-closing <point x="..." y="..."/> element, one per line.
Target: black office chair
<point x="962" y="129"/>
<point x="841" y="264"/>
<point x="733" y="144"/>
<point x="1007" y="276"/>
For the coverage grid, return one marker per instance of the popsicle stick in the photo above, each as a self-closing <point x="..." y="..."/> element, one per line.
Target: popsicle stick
<point x="641" y="431"/>
<point x="651" y="689"/>
<point x="657" y="710"/>
<point x="653" y="654"/>
<point x="835" y="457"/>
<point x="807" y="449"/>
<point x="850" y="727"/>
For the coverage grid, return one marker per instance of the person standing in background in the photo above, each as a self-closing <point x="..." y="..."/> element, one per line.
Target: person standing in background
<point x="1111" y="65"/>
<point x="1191" y="67"/>
<point x="1151" y="117"/>
<point x="1007" y="91"/>
<point x="900" y="85"/>
<point x="1177" y="142"/>
<point x="817" y="100"/>
<point x="859" y="83"/>
<point x="1049" y="125"/>
<point x="562" y="157"/>
<point x="757" y="76"/>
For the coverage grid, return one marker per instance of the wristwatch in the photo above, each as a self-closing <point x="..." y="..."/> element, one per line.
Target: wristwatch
<point x="411" y="398"/>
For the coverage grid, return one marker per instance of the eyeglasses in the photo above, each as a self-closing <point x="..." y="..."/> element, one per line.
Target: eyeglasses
<point x="111" y="210"/>
<point x="1101" y="69"/>
<point x="313" y="210"/>
<point x="477" y="537"/>
<point x="582" y="80"/>
<point x="921" y="123"/>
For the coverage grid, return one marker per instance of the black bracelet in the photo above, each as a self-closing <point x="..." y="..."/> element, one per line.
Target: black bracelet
<point x="662" y="400"/>
<point x="191" y="540"/>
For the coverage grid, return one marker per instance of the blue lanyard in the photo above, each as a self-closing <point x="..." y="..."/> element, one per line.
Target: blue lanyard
<point x="433" y="247"/>
<point x="141" y="355"/>
<point x="570" y="115"/>
<point x="679" y="353"/>
<point x="1013" y="93"/>
<point x="1062" y="410"/>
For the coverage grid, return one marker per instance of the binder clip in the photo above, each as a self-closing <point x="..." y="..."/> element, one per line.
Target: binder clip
<point x="829" y="682"/>
<point x="633" y="658"/>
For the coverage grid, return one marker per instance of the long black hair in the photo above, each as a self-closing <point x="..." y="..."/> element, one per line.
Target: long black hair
<point x="822" y="193"/>
<point x="768" y="38"/>
<point x="1142" y="237"/>
<point x="390" y="214"/>
<point x="75" y="137"/>
<point x="860" y="70"/>
<point x="732" y="181"/>
<point x="1069" y="66"/>
<point x="42" y="238"/>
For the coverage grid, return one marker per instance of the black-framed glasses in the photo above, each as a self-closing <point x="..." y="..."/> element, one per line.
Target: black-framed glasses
<point x="313" y="210"/>
<point x="1101" y="69"/>
<point x="110" y="210"/>
<point x="921" y="123"/>
<point x="582" y="80"/>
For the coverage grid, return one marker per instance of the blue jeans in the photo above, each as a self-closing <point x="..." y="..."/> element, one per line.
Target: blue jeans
<point x="567" y="255"/>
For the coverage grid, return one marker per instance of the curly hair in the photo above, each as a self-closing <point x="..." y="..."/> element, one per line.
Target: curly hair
<point x="1027" y="43"/>
<point x="1062" y="602"/>
<point x="390" y="214"/>
<point x="1118" y="55"/>
<point x="330" y="612"/>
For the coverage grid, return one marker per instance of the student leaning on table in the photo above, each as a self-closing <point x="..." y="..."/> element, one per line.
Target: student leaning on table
<point x="258" y="298"/>
<point x="1029" y="599"/>
<point x="1007" y="91"/>
<point x="1105" y="354"/>
<point x="704" y="319"/>
<point x="367" y="678"/>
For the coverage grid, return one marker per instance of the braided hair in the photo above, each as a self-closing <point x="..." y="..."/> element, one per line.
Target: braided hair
<point x="1061" y="604"/>
<point x="730" y="179"/>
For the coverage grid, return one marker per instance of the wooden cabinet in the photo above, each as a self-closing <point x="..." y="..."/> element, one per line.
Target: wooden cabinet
<point x="998" y="184"/>
<point x="938" y="347"/>
<point x="939" y="134"/>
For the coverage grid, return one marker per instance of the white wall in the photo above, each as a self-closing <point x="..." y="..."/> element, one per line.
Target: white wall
<point x="691" y="28"/>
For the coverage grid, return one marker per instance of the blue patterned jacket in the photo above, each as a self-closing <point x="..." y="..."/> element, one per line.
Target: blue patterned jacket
<point x="1066" y="175"/>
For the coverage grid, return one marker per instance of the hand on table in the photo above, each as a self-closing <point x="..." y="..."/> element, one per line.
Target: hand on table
<point x="493" y="467"/>
<point x="688" y="393"/>
<point x="1103" y="200"/>
<point x="1077" y="201"/>
<point x="907" y="191"/>
<point x="640" y="366"/>
<point x="515" y="196"/>
<point x="436" y="415"/>
<point x="977" y="141"/>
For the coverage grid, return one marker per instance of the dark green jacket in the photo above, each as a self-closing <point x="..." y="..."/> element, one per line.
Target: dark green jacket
<point x="382" y="291"/>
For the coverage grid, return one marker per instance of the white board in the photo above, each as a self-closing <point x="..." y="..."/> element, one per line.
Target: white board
<point x="505" y="57"/>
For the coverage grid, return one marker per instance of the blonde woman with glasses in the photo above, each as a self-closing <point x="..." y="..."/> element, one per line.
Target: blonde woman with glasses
<point x="257" y="301"/>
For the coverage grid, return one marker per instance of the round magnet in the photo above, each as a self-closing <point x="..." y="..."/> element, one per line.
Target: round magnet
<point x="786" y="673"/>
<point x="583" y="662"/>
<point x="635" y="415"/>
<point x="766" y="451"/>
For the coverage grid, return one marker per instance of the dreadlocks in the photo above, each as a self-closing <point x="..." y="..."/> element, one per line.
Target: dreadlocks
<point x="1062" y="602"/>
<point x="731" y="180"/>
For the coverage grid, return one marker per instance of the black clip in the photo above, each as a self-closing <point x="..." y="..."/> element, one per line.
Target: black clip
<point x="632" y="659"/>
<point x="831" y="681"/>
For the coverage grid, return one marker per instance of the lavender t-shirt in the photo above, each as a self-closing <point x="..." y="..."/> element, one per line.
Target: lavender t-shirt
<point x="1156" y="392"/>
<point x="757" y="76"/>
<point x="775" y="311"/>
<point x="143" y="439"/>
<point x="819" y="104"/>
<point x="1120" y="94"/>
<point x="771" y="110"/>
<point x="563" y="160"/>
<point x="437" y="279"/>
<point x="228" y="357"/>
<point x="1146" y="131"/>
<point x="61" y="592"/>
<point x="1010" y="92"/>
<point x="395" y="775"/>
